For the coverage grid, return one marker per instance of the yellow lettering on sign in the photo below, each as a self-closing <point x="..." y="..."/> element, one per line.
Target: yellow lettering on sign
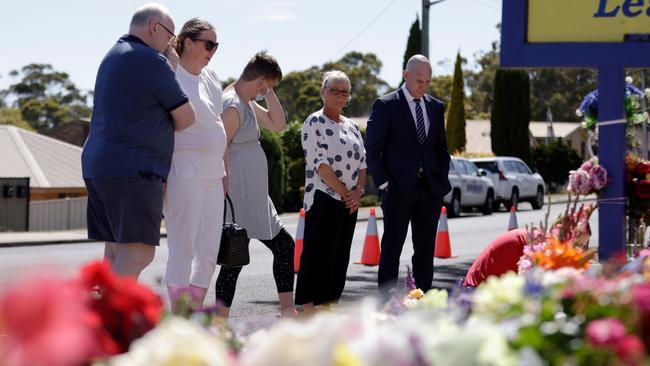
<point x="586" y="20"/>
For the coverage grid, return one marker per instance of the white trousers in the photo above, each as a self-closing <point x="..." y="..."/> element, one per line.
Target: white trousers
<point x="193" y="219"/>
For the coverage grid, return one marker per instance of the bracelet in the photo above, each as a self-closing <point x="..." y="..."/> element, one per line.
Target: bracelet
<point x="363" y="191"/>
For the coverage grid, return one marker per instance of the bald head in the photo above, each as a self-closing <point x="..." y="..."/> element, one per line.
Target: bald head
<point x="417" y="62"/>
<point x="417" y="75"/>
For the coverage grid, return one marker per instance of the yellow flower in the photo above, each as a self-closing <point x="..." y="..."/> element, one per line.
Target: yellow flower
<point x="343" y="356"/>
<point x="415" y="294"/>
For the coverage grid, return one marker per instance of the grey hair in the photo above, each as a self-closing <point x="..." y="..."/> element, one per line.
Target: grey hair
<point x="330" y="76"/>
<point x="148" y="12"/>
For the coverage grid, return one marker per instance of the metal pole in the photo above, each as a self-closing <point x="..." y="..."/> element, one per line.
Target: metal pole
<point x="426" y="4"/>
<point x="425" y="28"/>
<point x="611" y="154"/>
<point x="644" y="106"/>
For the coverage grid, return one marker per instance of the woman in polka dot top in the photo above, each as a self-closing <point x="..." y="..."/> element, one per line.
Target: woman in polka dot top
<point x="335" y="175"/>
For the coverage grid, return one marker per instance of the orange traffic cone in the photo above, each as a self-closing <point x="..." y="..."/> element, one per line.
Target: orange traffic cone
<point x="300" y="232"/>
<point x="370" y="254"/>
<point x="512" y="224"/>
<point x="443" y="245"/>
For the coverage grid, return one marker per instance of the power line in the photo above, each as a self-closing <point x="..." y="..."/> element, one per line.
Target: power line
<point x="364" y="29"/>
<point x="487" y="5"/>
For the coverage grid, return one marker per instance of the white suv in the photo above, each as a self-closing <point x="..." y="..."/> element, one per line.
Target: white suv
<point x="469" y="188"/>
<point x="513" y="180"/>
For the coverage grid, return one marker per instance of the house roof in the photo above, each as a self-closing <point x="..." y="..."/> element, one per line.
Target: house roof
<point x="49" y="163"/>
<point x="477" y="133"/>
<point x="561" y="129"/>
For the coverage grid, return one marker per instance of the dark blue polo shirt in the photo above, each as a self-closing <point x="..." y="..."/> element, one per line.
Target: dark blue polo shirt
<point x="131" y="129"/>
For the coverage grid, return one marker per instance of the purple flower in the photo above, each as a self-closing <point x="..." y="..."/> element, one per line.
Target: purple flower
<point x="598" y="177"/>
<point x="579" y="182"/>
<point x="409" y="283"/>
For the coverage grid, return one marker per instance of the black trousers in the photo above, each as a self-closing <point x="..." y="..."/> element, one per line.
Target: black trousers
<point x="329" y="228"/>
<point x="282" y="246"/>
<point x="422" y="209"/>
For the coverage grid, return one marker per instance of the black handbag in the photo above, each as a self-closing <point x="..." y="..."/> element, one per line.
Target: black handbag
<point x="233" y="251"/>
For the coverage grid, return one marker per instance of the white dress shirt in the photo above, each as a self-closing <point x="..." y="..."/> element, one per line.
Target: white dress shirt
<point x="411" y="102"/>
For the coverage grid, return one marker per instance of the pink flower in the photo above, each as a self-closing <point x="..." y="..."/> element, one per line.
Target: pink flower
<point x="605" y="332"/>
<point x="641" y="296"/>
<point x="587" y="165"/>
<point x="598" y="177"/>
<point x="579" y="182"/>
<point x="46" y="323"/>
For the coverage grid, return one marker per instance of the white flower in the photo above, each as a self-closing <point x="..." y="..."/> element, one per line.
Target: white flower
<point x="291" y="342"/>
<point x="629" y="80"/>
<point x="175" y="342"/>
<point x="498" y="295"/>
<point x="647" y="93"/>
<point x="579" y="113"/>
<point x="435" y="299"/>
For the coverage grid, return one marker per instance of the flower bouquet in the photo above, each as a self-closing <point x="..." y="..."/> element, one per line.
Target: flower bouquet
<point x="591" y="177"/>
<point x="638" y="186"/>
<point x="588" y="109"/>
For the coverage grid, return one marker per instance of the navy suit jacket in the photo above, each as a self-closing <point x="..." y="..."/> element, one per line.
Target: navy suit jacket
<point x="393" y="153"/>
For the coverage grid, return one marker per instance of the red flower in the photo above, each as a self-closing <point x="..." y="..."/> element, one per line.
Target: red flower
<point x="643" y="189"/>
<point x="124" y="311"/>
<point x="641" y="169"/>
<point x="44" y="322"/>
<point x="630" y="350"/>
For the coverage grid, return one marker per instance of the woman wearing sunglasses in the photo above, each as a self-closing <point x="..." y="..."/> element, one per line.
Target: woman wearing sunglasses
<point x="248" y="175"/>
<point x="194" y="202"/>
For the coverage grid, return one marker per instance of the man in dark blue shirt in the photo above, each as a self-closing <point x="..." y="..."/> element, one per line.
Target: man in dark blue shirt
<point x="138" y="104"/>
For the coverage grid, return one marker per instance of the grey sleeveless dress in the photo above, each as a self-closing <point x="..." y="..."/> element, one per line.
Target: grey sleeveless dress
<point x="248" y="175"/>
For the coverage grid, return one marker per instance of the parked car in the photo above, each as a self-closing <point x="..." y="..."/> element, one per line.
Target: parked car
<point x="469" y="188"/>
<point x="513" y="180"/>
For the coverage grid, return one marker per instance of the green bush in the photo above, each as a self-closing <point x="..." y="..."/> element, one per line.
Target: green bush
<point x="272" y="146"/>
<point x="369" y="201"/>
<point x="295" y="162"/>
<point x="554" y="161"/>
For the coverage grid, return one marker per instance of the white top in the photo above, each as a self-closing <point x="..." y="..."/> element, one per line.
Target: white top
<point x="411" y="101"/>
<point x="199" y="149"/>
<point x="337" y="144"/>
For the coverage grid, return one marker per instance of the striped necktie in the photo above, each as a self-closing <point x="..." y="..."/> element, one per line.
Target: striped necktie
<point x="422" y="133"/>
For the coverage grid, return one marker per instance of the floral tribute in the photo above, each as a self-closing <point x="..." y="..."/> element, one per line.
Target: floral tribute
<point x="67" y="322"/>
<point x="588" y="109"/>
<point x="638" y="185"/>
<point x="591" y="177"/>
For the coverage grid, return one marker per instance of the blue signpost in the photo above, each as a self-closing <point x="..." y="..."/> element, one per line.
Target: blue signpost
<point x="609" y="58"/>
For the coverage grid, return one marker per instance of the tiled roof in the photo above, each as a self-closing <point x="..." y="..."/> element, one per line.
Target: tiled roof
<point x="46" y="161"/>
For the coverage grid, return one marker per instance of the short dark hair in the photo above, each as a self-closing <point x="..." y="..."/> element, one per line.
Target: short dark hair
<point x="262" y="65"/>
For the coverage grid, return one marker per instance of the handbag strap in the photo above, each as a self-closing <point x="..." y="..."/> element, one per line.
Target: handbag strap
<point x="232" y="210"/>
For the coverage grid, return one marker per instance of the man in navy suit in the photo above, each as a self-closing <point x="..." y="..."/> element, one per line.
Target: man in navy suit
<point x="406" y="152"/>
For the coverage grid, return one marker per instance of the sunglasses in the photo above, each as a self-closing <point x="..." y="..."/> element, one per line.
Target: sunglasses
<point x="168" y="31"/>
<point x="342" y="92"/>
<point x="209" y="45"/>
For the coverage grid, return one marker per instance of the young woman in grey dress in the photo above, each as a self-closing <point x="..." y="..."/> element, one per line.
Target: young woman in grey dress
<point x="247" y="175"/>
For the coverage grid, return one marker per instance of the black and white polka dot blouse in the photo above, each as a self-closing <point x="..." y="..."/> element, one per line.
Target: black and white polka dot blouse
<point x="337" y="144"/>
